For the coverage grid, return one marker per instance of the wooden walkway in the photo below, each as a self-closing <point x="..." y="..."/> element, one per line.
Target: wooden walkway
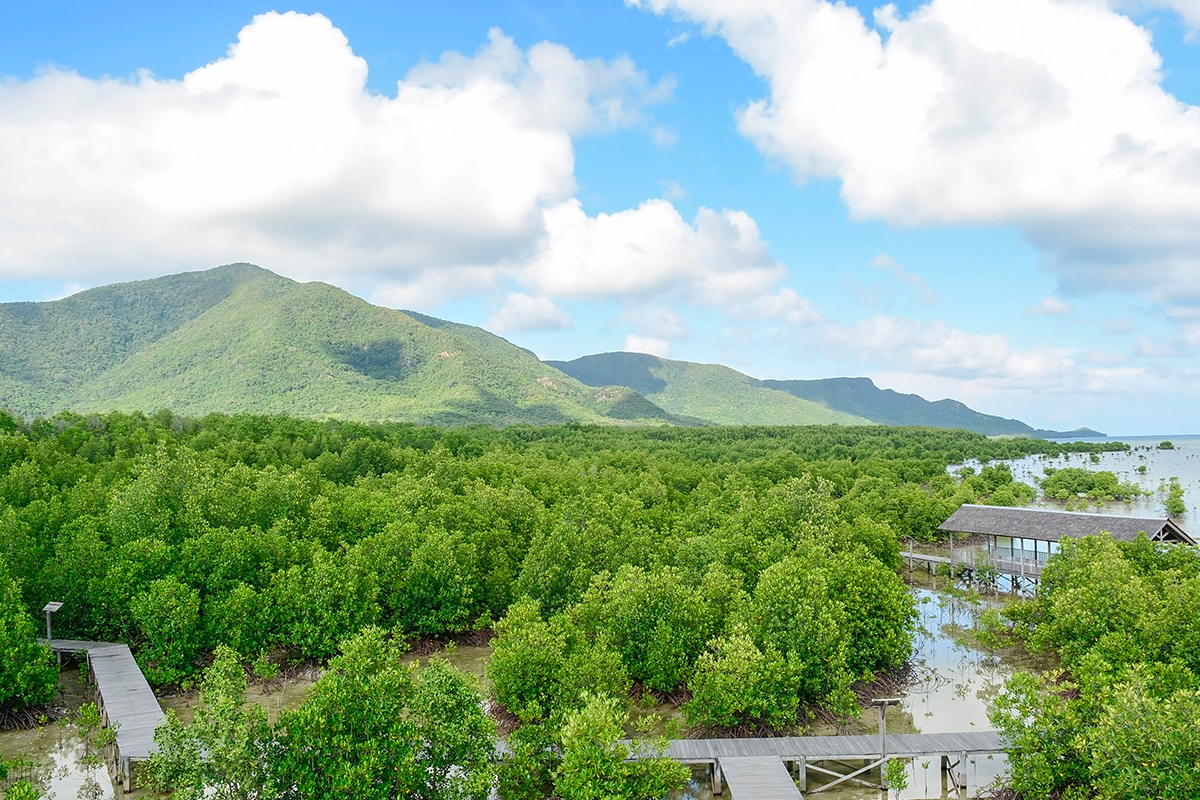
<point x="758" y="777"/>
<point x="966" y="561"/>
<point x="125" y="698"/>
<point x="757" y="766"/>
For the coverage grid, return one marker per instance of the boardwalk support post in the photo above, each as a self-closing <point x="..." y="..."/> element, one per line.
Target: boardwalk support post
<point x="717" y="788"/>
<point x="881" y="705"/>
<point x="802" y="769"/>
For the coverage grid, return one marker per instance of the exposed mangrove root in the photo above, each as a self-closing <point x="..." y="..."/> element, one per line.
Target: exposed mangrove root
<point x="25" y="718"/>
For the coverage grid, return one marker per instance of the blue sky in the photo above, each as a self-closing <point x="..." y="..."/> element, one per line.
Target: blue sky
<point x="992" y="200"/>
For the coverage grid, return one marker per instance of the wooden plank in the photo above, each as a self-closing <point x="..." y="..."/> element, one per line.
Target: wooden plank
<point x="758" y="778"/>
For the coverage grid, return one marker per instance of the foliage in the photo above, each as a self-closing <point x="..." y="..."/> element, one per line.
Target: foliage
<point x="658" y="621"/>
<point x="597" y="766"/>
<point x="375" y="728"/>
<point x="22" y="790"/>
<point x="28" y="675"/>
<point x="895" y="776"/>
<point x="168" y="614"/>
<point x="540" y="668"/>
<point x="1069" y="482"/>
<point x="642" y="550"/>
<point x="736" y="685"/>
<point x="1175" y="504"/>
<point x="223" y="753"/>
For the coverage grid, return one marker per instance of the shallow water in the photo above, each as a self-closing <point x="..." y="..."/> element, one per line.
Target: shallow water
<point x="58" y="751"/>
<point x="1161" y="465"/>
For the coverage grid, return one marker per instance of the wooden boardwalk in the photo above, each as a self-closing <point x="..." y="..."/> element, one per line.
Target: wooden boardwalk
<point x="966" y="562"/>
<point x="759" y="778"/>
<point x="834" y="748"/>
<point x="125" y="698"/>
<point x="758" y="764"/>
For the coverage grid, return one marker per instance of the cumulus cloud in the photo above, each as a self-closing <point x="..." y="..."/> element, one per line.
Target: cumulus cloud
<point x="278" y="154"/>
<point x="1048" y="115"/>
<point x="718" y="259"/>
<point x="647" y="344"/>
<point x="1049" y="307"/>
<point x="461" y="183"/>
<point x="785" y="305"/>
<point x="935" y="348"/>
<point x="521" y="312"/>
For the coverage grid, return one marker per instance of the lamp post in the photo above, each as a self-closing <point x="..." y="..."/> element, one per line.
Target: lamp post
<point x="50" y="609"/>
<point x="881" y="705"/>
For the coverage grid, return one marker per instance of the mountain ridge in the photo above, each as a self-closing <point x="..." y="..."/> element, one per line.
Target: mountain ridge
<point x="651" y="376"/>
<point x="241" y="339"/>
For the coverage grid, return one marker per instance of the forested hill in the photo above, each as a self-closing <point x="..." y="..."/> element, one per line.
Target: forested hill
<point x="242" y="339"/>
<point x="724" y="395"/>
<point x="887" y="407"/>
<point x="710" y="392"/>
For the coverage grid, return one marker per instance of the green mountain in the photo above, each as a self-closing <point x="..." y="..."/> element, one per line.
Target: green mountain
<point x="710" y="392"/>
<point x="241" y="339"/>
<point x="720" y="394"/>
<point x="862" y="397"/>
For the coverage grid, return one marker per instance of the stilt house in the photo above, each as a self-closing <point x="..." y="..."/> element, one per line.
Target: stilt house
<point x="1019" y="540"/>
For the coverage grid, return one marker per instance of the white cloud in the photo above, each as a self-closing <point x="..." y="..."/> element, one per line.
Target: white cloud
<point x="647" y="344"/>
<point x="460" y="184"/>
<point x="672" y="190"/>
<point x="719" y="259"/>
<point x="1049" y="307"/>
<point x="278" y="154"/>
<point x="935" y="348"/>
<point x="521" y="312"/>
<point x="426" y="288"/>
<point x="1048" y="115"/>
<point x="784" y="305"/>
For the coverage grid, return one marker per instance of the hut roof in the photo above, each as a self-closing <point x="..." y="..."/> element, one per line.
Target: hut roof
<point x="1048" y="525"/>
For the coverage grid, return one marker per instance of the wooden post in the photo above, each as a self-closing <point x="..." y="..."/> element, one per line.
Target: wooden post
<point x="943" y="768"/>
<point x="802" y="768"/>
<point x="951" y="556"/>
<point x="717" y="788"/>
<point x="962" y="770"/>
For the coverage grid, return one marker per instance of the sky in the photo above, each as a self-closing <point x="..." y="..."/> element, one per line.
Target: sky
<point x="992" y="200"/>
